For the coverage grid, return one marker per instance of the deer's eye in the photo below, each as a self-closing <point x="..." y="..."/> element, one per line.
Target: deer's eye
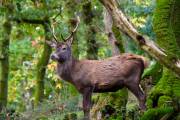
<point x="64" y="48"/>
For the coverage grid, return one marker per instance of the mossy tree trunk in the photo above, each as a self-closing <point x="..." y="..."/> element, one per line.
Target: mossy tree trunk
<point x="167" y="28"/>
<point x="90" y="32"/>
<point x="4" y="59"/>
<point x="42" y="64"/>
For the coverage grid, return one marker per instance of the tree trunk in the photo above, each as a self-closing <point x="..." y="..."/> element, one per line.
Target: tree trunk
<point x="41" y="66"/>
<point x="166" y="26"/>
<point x="4" y="61"/>
<point x="170" y="60"/>
<point x="90" y="32"/>
<point x="116" y="50"/>
<point x="166" y="31"/>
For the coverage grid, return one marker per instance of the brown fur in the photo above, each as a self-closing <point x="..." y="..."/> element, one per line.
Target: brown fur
<point x="99" y="74"/>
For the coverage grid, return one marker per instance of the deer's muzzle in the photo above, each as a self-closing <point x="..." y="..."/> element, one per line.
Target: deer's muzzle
<point x="54" y="57"/>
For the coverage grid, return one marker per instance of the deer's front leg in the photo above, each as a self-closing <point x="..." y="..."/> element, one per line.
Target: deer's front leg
<point x="87" y="103"/>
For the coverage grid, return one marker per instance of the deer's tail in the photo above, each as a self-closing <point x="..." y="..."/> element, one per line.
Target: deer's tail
<point x="145" y="61"/>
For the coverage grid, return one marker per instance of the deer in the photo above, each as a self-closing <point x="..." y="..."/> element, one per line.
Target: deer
<point x="98" y="76"/>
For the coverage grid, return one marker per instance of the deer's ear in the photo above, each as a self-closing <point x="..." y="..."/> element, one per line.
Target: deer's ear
<point x="53" y="44"/>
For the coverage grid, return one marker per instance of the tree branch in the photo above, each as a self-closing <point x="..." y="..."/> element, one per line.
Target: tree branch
<point x="26" y="20"/>
<point x="108" y="29"/>
<point x="30" y="17"/>
<point x="120" y="20"/>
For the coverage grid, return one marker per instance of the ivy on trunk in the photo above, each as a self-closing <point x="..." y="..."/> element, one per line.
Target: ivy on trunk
<point x="4" y="60"/>
<point x="42" y="64"/>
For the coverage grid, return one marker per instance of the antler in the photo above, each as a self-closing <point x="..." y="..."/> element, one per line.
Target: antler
<point x="54" y="36"/>
<point x="74" y="30"/>
<point x="52" y="31"/>
<point x="70" y="36"/>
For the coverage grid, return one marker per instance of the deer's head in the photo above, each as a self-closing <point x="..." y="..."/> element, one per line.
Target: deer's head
<point x="62" y="49"/>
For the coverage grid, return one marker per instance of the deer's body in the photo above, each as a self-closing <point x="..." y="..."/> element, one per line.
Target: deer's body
<point x="107" y="75"/>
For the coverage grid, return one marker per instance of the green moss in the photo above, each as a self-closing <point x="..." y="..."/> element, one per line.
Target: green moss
<point x="175" y="22"/>
<point x="165" y="87"/>
<point x="4" y="62"/>
<point x="162" y="26"/>
<point x="164" y="101"/>
<point x="149" y="103"/>
<point x="119" y="99"/>
<point x="156" y="114"/>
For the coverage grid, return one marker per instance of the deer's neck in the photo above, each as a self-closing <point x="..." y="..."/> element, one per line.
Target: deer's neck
<point x="64" y="70"/>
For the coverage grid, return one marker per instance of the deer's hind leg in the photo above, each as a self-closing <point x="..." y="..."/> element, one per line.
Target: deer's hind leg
<point x="133" y="83"/>
<point x="136" y="90"/>
<point x="133" y="86"/>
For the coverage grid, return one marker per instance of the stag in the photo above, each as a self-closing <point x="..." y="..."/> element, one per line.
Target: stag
<point x="108" y="75"/>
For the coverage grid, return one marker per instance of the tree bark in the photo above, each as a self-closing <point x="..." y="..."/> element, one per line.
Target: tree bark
<point x="169" y="60"/>
<point x="41" y="66"/>
<point x="4" y="61"/>
<point x="111" y="37"/>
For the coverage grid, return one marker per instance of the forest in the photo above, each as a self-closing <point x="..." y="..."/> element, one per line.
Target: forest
<point x="141" y="35"/>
